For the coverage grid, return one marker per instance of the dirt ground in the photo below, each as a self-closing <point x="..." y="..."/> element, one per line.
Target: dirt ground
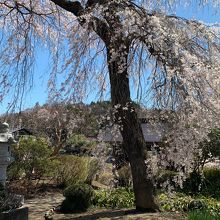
<point x="119" y="215"/>
<point x="40" y="205"/>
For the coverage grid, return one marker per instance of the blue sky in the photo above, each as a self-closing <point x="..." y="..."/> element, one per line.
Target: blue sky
<point x="39" y="90"/>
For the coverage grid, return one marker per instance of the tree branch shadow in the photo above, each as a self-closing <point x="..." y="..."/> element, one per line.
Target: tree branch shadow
<point x="103" y="214"/>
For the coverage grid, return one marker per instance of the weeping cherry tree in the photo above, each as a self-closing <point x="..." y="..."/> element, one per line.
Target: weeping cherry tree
<point x="174" y="62"/>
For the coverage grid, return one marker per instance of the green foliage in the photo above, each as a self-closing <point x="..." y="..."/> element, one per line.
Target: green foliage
<point x="202" y="215"/>
<point x="206" y="183"/>
<point x="197" y="204"/>
<point x="79" y="145"/>
<point x="77" y="198"/>
<point x="193" y="183"/>
<point x="114" y="198"/>
<point x="32" y="159"/>
<point x="181" y="202"/>
<point x="174" y="203"/>
<point x="73" y="169"/>
<point x="212" y="174"/>
<point x="211" y="182"/>
<point x="124" y="198"/>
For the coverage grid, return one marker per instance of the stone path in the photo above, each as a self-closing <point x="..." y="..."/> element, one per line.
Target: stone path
<point x="40" y="205"/>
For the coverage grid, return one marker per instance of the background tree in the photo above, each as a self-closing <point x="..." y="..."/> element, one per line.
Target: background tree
<point x="115" y="40"/>
<point x="55" y="122"/>
<point x="79" y="145"/>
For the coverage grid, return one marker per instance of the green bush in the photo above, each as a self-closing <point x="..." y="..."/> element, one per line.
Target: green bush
<point x="77" y="198"/>
<point x="32" y="159"/>
<point x="73" y="169"/>
<point x="206" y="183"/>
<point x="193" y="183"/>
<point x="79" y="145"/>
<point x="174" y="203"/>
<point x="211" y="182"/>
<point x="114" y="198"/>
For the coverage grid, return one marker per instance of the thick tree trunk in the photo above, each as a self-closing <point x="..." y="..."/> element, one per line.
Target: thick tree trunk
<point x="126" y="118"/>
<point x="112" y="35"/>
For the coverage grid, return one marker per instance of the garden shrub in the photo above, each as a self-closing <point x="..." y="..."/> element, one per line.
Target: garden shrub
<point x="114" y="198"/>
<point x="73" y="169"/>
<point x="15" y="171"/>
<point x="77" y="198"/>
<point x="211" y="182"/>
<point x="193" y="183"/>
<point x="174" y="203"/>
<point x="79" y="145"/>
<point x="32" y="159"/>
<point x="206" y="183"/>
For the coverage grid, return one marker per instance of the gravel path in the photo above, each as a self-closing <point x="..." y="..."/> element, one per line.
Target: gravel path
<point x="40" y="205"/>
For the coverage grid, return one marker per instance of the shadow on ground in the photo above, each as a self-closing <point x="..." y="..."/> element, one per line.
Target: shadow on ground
<point x="119" y="214"/>
<point x="97" y="215"/>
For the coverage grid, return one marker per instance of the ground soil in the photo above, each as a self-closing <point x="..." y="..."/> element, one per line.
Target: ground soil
<point x="39" y="205"/>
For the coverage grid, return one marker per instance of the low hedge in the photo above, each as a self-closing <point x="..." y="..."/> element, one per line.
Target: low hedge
<point x="78" y="198"/>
